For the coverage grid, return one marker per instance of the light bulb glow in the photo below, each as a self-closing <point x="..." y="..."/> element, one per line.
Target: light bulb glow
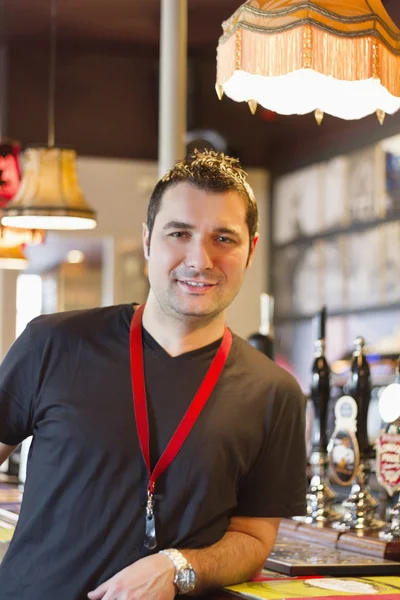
<point x="59" y="223"/>
<point x="75" y="256"/>
<point x="13" y="264"/>
<point x="305" y="91"/>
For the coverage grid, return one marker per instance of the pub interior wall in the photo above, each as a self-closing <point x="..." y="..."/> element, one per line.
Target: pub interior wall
<point x="336" y="242"/>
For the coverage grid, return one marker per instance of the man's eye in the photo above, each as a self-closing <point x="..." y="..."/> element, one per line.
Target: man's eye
<point x="225" y="240"/>
<point x="179" y="234"/>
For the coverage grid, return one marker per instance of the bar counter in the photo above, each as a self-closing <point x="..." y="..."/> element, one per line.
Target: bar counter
<point x="364" y="557"/>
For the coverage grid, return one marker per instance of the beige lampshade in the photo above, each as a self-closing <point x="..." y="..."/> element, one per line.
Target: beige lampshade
<point x="49" y="196"/>
<point x="12" y="258"/>
<point x="299" y="56"/>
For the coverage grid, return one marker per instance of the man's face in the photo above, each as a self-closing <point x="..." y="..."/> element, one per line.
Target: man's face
<point x="199" y="251"/>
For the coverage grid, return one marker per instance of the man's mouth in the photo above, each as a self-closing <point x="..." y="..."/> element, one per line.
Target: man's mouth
<point x="196" y="285"/>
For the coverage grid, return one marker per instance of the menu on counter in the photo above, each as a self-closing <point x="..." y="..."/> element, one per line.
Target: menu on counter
<point x="329" y="588"/>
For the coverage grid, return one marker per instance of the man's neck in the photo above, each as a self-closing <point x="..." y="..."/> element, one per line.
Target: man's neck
<point x="178" y="336"/>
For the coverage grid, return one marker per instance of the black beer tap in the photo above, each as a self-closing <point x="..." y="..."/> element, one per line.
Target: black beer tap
<point x="320" y="496"/>
<point x="359" y="387"/>
<point x="320" y="385"/>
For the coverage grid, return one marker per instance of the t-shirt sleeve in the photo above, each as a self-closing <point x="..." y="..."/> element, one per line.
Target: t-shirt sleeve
<point x="277" y="484"/>
<point x="17" y="388"/>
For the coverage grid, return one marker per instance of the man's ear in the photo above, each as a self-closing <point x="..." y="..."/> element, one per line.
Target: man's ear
<point x="252" y="250"/>
<point x="146" y="240"/>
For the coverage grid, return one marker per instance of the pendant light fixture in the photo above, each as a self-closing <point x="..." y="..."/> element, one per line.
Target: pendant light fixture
<point x="13" y="258"/>
<point x="10" y="174"/>
<point x="49" y="196"/>
<point x="301" y="56"/>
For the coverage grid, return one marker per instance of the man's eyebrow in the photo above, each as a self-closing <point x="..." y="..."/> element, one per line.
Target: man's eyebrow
<point x="227" y="231"/>
<point x="178" y="225"/>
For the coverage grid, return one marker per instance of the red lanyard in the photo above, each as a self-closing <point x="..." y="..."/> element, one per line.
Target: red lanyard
<point x="187" y="422"/>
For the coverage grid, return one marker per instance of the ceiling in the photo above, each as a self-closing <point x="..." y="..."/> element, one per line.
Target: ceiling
<point x="121" y="21"/>
<point x="106" y="21"/>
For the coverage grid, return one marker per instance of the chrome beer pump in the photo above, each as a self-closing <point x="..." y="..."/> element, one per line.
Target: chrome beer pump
<point x="360" y="506"/>
<point x="320" y="495"/>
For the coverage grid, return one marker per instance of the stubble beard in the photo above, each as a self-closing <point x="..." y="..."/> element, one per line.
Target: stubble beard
<point x="171" y="305"/>
<point x="185" y="309"/>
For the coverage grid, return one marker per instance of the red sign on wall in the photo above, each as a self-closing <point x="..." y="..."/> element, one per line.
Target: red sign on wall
<point x="388" y="462"/>
<point x="9" y="172"/>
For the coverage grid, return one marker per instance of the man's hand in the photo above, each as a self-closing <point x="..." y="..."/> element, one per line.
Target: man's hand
<point x="238" y="556"/>
<point x="150" y="578"/>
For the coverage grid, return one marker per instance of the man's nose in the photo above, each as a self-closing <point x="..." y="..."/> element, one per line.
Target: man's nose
<point x="199" y="256"/>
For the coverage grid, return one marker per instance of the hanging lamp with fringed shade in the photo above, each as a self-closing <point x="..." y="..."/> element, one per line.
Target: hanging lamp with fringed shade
<point x="296" y="57"/>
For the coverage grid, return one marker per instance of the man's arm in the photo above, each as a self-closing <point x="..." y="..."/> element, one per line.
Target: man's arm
<point x="237" y="557"/>
<point x="5" y="452"/>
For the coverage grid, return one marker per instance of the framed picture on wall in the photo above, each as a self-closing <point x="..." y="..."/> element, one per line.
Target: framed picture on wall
<point x="306" y="279"/>
<point x="334" y="193"/>
<point x="297" y="280"/>
<point x="365" y="268"/>
<point x="391" y="236"/>
<point x="365" y="180"/>
<point x="391" y="151"/>
<point x="284" y="264"/>
<point x="392" y="181"/>
<point x="297" y="205"/>
<point x="333" y="273"/>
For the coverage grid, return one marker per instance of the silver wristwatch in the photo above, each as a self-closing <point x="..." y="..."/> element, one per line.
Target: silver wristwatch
<point x="185" y="576"/>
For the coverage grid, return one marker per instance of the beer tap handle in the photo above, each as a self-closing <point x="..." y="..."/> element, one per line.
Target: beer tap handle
<point x="320" y="383"/>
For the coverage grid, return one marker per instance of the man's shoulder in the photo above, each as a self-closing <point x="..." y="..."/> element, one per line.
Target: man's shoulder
<point x="264" y="370"/>
<point x="79" y="321"/>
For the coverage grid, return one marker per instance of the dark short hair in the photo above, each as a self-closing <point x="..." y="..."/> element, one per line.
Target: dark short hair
<point x="212" y="172"/>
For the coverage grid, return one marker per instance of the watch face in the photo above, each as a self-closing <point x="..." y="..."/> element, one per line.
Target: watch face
<point x="186" y="580"/>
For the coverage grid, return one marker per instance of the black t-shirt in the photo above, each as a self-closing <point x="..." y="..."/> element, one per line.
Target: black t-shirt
<point x="66" y="381"/>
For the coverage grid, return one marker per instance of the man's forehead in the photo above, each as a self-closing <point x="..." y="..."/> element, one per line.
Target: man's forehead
<point x="202" y="201"/>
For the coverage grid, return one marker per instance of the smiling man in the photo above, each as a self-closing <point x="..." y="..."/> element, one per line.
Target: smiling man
<point x="165" y="448"/>
<point x="198" y="250"/>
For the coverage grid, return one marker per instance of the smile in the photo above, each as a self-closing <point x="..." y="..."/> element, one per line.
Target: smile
<point x="197" y="284"/>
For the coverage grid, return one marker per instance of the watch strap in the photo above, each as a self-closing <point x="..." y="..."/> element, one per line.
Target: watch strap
<point x="177" y="559"/>
<point x="180" y="563"/>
